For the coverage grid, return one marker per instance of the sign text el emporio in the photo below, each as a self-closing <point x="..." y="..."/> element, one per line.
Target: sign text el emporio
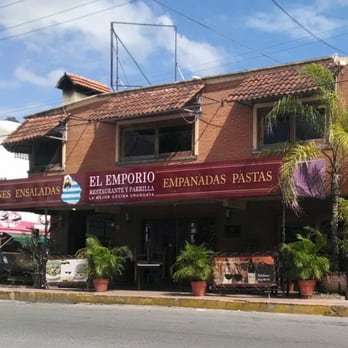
<point x="130" y="178"/>
<point x="218" y="179"/>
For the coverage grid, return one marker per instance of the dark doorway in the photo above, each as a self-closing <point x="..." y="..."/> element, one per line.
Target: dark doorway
<point x="76" y="231"/>
<point x="163" y="239"/>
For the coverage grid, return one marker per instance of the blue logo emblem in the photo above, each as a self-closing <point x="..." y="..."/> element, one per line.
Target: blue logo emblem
<point x="71" y="192"/>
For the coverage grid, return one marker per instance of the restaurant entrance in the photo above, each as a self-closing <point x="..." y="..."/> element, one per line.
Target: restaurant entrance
<point x="162" y="241"/>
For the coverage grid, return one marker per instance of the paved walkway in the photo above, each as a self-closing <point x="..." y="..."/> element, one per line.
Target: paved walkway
<point x="322" y="305"/>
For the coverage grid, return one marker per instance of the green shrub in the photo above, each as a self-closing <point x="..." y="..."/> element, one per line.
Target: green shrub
<point x="303" y="257"/>
<point x="193" y="263"/>
<point x="103" y="262"/>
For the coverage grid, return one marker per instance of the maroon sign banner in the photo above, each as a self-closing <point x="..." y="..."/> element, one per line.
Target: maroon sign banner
<point x="182" y="182"/>
<point x="132" y="184"/>
<point x="27" y="192"/>
<point x="41" y="192"/>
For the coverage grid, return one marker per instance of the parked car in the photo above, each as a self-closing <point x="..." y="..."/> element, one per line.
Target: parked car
<point x="16" y="262"/>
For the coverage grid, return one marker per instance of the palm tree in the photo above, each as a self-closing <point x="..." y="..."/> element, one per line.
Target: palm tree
<point x="334" y="149"/>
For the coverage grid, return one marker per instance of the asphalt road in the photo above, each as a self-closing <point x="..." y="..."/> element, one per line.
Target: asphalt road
<point x="59" y="325"/>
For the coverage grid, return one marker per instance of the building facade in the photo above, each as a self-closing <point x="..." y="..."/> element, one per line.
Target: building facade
<point x="154" y="167"/>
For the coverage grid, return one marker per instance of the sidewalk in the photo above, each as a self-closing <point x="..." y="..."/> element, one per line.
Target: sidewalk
<point x="319" y="305"/>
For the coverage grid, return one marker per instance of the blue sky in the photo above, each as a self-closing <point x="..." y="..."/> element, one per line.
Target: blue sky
<point x="35" y="52"/>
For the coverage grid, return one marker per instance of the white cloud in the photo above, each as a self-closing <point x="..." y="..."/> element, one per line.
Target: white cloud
<point x="49" y="80"/>
<point x="311" y="17"/>
<point x="326" y="4"/>
<point x="92" y="34"/>
<point x="190" y="54"/>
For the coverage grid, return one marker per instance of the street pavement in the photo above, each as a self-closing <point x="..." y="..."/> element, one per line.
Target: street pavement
<point x="65" y="325"/>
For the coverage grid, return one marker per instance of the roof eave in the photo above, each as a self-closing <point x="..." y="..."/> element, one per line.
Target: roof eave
<point x="273" y="97"/>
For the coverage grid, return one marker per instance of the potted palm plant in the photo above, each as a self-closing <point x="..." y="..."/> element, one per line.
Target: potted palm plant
<point x="103" y="262"/>
<point x="307" y="264"/>
<point x="195" y="265"/>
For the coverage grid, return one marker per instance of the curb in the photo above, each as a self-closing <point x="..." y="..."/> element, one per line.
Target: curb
<point x="237" y="305"/>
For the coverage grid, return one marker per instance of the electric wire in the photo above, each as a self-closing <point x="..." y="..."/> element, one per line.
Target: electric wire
<point x="11" y="3"/>
<point x="308" y="31"/>
<point x="28" y="107"/>
<point x="9" y="37"/>
<point x="230" y="62"/>
<point x="49" y="15"/>
<point x="85" y="4"/>
<point x="212" y="29"/>
<point x="337" y="83"/>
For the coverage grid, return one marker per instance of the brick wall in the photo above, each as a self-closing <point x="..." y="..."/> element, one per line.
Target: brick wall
<point x="225" y="133"/>
<point x="90" y="146"/>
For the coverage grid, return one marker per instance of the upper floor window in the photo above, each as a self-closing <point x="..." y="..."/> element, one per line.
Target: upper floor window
<point x="156" y="141"/>
<point x="46" y="154"/>
<point x="288" y="128"/>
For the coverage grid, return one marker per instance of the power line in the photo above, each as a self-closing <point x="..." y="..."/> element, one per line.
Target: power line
<point x="64" y="22"/>
<point x="11" y="3"/>
<point x="210" y="28"/>
<point x="247" y="54"/>
<point x="49" y="15"/>
<point x="87" y="120"/>
<point x="318" y="38"/>
<point x="32" y="106"/>
<point x="85" y="4"/>
<point x="225" y="62"/>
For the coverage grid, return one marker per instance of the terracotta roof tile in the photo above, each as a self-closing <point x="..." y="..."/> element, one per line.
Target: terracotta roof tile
<point x="34" y="127"/>
<point x="138" y="103"/>
<point x="135" y="103"/>
<point x="84" y="82"/>
<point x="282" y="81"/>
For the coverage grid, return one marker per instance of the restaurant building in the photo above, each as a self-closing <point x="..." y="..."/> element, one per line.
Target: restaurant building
<point x="154" y="167"/>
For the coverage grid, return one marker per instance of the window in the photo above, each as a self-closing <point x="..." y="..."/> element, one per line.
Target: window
<point x="175" y="139"/>
<point x="288" y="128"/>
<point x="46" y="153"/>
<point x="306" y="131"/>
<point x="139" y="143"/>
<point x="156" y="141"/>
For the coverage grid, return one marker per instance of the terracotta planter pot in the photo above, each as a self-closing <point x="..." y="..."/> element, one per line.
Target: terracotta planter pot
<point x="306" y="287"/>
<point x="199" y="288"/>
<point x="101" y="284"/>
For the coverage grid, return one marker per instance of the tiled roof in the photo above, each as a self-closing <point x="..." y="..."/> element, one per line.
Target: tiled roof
<point x="81" y="81"/>
<point x="149" y="101"/>
<point x="135" y="103"/>
<point x="34" y="127"/>
<point x="282" y="81"/>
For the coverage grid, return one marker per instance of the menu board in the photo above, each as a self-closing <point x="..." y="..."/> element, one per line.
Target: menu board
<point x="244" y="270"/>
<point x="60" y="271"/>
